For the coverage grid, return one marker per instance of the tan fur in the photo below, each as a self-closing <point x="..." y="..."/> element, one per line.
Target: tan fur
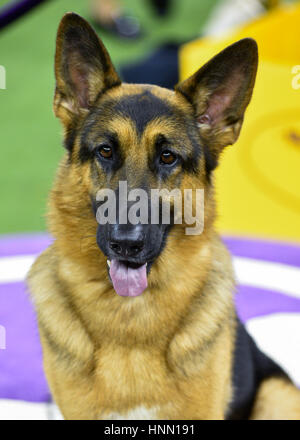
<point x="169" y="349"/>
<point x="164" y="349"/>
<point x="277" y="399"/>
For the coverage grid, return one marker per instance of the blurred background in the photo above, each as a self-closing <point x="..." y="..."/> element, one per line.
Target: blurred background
<point x="257" y="183"/>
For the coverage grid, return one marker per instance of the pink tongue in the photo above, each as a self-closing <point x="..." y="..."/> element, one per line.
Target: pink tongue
<point x="126" y="280"/>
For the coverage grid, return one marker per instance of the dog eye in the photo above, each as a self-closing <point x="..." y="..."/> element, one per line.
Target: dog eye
<point x="105" y="151"/>
<point x="168" y="158"/>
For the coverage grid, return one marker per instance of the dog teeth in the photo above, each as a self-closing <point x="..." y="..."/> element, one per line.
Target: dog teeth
<point x="108" y="263"/>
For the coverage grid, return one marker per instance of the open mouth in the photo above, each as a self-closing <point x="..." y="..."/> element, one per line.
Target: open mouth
<point x="129" y="279"/>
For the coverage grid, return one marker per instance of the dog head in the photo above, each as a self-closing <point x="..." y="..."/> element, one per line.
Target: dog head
<point x="147" y="138"/>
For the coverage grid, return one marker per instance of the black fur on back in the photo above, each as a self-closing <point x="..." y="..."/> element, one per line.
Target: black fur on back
<point x="250" y="368"/>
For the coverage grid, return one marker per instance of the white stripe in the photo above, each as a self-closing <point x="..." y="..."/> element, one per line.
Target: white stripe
<point x="268" y="275"/>
<point x="256" y="273"/>
<point x="14" y="269"/>
<point x="278" y="336"/>
<point x="19" y="410"/>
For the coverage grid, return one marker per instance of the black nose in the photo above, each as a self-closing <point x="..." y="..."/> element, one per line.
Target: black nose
<point x="126" y="242"/>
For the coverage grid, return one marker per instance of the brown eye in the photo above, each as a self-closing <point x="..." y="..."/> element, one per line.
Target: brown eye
<point x="167" y="158"/>
<point x="105" y="151"/>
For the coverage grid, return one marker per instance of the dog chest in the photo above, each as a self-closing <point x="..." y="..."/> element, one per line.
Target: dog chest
<point x="129" y="378"/>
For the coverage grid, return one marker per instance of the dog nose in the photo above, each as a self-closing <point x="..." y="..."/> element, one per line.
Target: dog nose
<point x="126" y="243"/>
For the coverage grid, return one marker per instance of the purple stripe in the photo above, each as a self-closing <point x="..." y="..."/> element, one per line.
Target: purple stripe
<point x="251" y="302"/>
<point x="11" y="245"/>
<point x="278" y="252"/>
<point x="243" y="247"/>
<point x="22" y="375"/>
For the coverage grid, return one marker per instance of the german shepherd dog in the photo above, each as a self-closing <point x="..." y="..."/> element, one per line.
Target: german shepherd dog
<point x="137" y="321"/>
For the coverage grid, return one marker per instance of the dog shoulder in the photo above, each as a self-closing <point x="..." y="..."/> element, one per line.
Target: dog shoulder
<point x="41" y="272"/>
<point x="58" y="322"/>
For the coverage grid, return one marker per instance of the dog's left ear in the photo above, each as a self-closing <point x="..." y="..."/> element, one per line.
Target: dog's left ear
<point x="220" y="92"/>
<point x="83" y="69"/>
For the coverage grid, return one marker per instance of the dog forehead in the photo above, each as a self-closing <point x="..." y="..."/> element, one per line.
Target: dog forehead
<point x="143" y="108"/>
<point x="135" y="113"/>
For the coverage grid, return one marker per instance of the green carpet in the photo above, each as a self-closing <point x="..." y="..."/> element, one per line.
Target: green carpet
<point x="30" y="134"/>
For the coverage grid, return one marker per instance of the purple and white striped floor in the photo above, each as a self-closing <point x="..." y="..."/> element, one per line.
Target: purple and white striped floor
<point x="267" y="300"/>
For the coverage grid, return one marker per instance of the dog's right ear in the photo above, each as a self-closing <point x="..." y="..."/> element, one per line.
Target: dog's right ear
<point x="83" y="68"/>
<point x="220" y="92"/>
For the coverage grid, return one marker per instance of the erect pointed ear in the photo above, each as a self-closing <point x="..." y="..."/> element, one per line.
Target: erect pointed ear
<point x="83" y="68"/>
<point x="220" y="92"/>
